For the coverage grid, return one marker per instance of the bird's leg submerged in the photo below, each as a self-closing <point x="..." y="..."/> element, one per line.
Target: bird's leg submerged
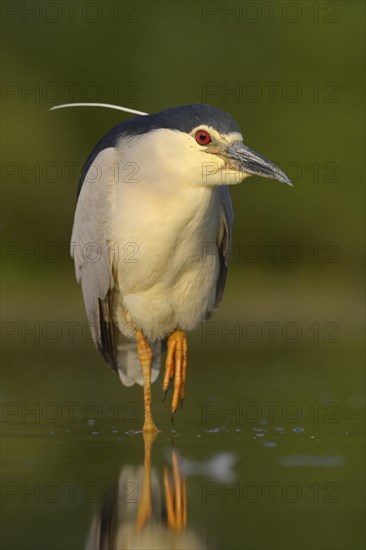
<point x="145" y="358"/>
<point x="176" y="366"/>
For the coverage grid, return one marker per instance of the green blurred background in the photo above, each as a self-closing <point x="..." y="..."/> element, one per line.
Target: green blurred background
<point x="292" y="74"/>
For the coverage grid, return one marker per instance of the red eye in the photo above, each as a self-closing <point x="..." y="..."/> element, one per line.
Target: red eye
<point x="203" y="137"/>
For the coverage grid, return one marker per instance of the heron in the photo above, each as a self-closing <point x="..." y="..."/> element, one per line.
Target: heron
<point x="151" y="237"/>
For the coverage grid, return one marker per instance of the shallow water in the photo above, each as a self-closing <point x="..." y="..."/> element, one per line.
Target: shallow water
<point x="263" y="456"/>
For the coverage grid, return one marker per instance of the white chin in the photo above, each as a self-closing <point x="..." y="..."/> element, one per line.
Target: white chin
<point x="225" y="177"/>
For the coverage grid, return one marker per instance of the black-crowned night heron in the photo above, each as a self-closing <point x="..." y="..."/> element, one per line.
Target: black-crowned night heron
<point x="154" y="201"/>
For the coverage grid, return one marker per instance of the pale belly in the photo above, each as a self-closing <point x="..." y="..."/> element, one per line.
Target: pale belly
<point x="170" y="280"/>
<point x="167" y="305"/>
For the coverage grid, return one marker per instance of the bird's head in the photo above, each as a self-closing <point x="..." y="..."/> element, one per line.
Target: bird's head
<point x="196" y="144"/>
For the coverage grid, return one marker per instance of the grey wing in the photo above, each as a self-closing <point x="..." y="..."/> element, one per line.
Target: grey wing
<point x="89" y="248"/>
<point x="95" y="266"/>
<point x="223" y="242"/>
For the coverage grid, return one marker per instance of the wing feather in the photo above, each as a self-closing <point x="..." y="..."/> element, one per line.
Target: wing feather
<point x="223" y="243"/>
<point x="94" y="267"/>
<point x="89" y="248"/>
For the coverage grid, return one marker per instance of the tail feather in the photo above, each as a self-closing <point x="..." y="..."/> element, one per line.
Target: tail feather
<point x="129" y="368"/>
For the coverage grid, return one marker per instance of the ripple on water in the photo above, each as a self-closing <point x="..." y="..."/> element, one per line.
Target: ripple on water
<point x="315" y="461"/>
<point x="270" y="444"/>
<point x="213" y="430"/>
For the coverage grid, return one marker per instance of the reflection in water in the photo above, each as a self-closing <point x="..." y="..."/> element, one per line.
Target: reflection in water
<point x="136" y="514"/>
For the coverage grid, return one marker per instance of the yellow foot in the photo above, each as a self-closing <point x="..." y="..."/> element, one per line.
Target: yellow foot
<point x="145" y="357"/>
<point x="176" y="366"/>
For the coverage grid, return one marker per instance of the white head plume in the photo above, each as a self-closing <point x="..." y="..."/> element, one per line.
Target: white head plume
<point x="105" y="105"/>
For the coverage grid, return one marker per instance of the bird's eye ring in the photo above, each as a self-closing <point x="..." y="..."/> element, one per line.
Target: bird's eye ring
<point x="203" y="137"/>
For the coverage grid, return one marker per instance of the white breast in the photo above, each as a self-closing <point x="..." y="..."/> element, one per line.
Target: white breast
<point x="164" y="277"/>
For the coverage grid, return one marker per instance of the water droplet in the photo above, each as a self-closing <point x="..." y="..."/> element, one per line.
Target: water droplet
<point x="132" y="432"/>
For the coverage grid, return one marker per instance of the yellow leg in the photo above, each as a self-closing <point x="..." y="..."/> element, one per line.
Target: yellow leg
<point x="145" y="357"/>
<point x="176" y="366"/>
